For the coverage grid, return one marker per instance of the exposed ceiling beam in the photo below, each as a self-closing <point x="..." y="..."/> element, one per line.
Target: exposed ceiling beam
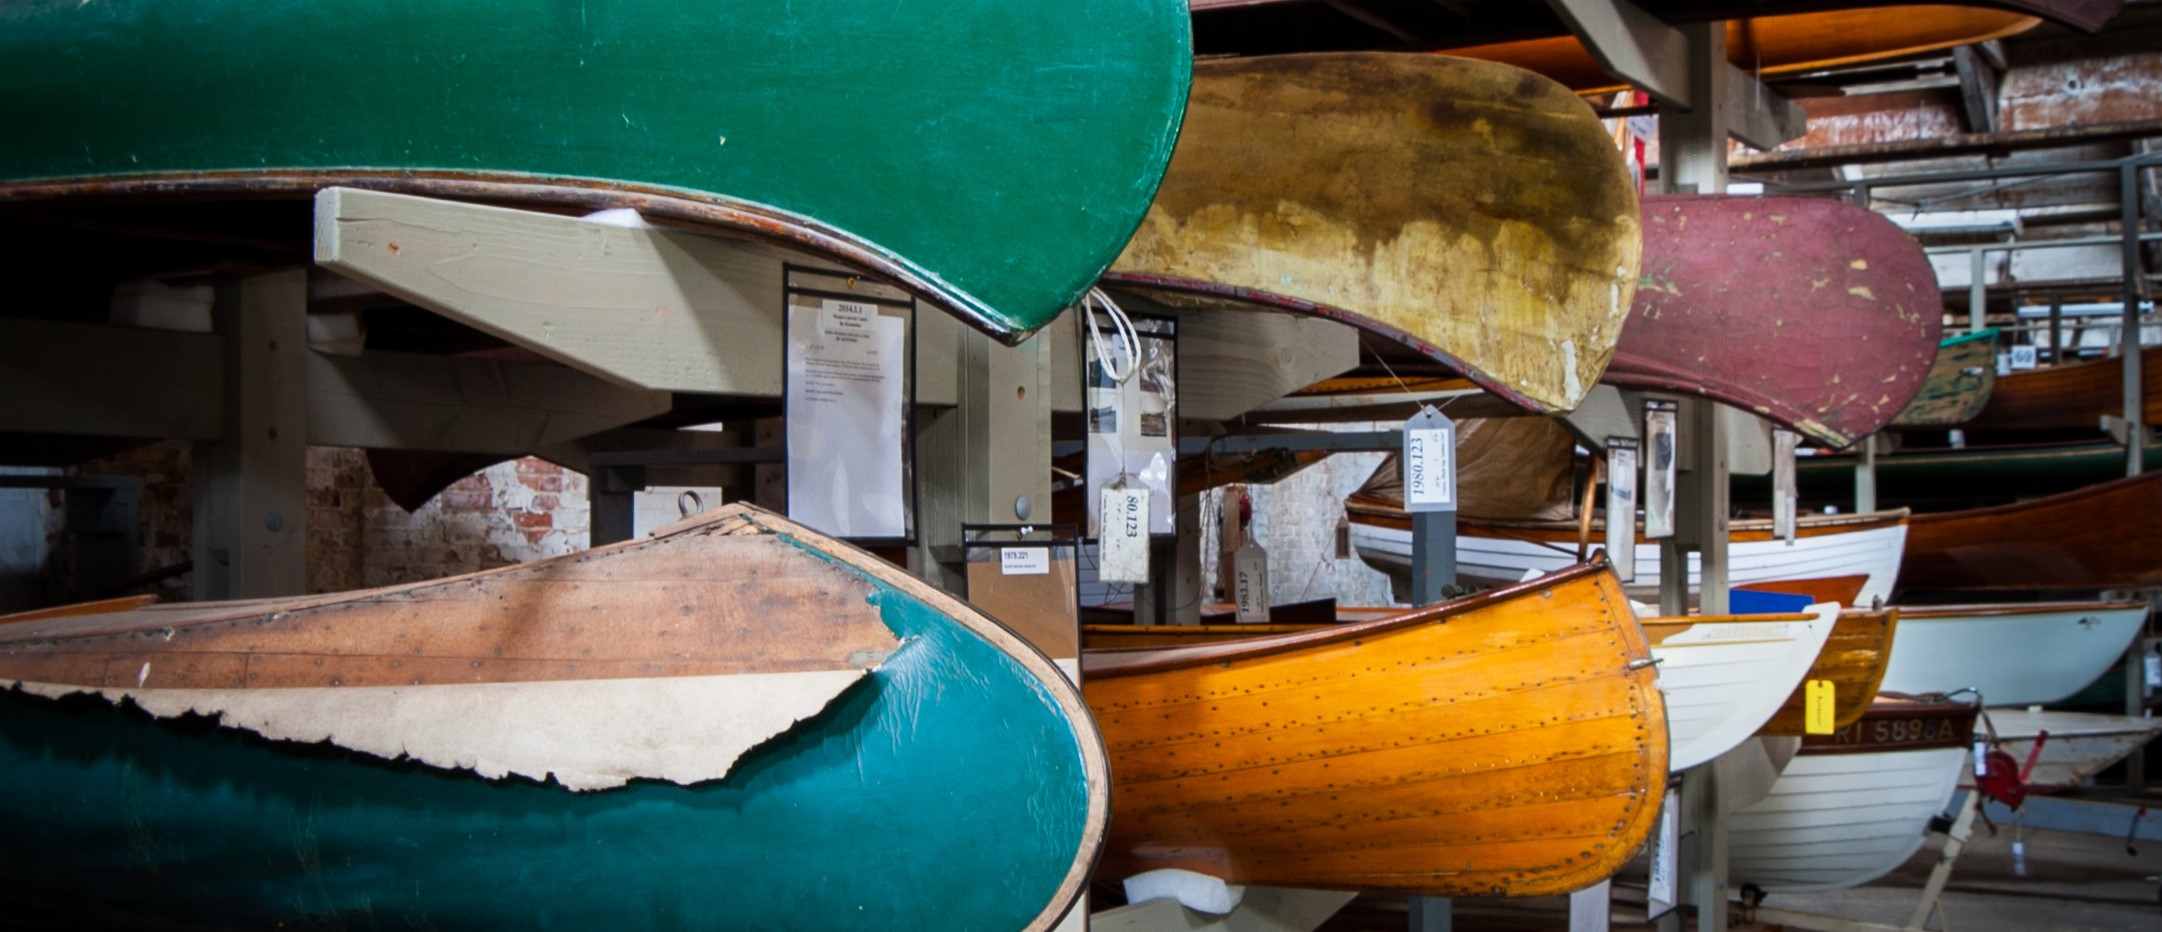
<point x="1637" y="47"/>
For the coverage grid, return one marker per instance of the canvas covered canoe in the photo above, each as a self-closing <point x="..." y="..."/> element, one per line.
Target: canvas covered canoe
<point x="2099" y="537"/>
<point x="1958" y="385"/>
<point x="1472" y="215"/>
<point x="1509" y="743"/>
<point x="736" y="723"/>
<point x="990" y="157"/>
<point x="1815" y="314"/>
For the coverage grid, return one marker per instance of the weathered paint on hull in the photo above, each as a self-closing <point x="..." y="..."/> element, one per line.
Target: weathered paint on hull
<point x="964" y="742"/>
<point x="1474" y="212"/>
<point x="1958" y="385"/>
<point x="1783" y="44"/>
<point x="1811" y="313"/>
<point x="1511" y="743"/>
<point x="2100" y="537"/>
<point x="2080" y="744"/>
<point x="992" y="156"/>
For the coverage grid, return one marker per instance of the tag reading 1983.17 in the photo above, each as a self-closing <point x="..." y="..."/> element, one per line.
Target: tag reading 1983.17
<point x="1123" y="535"/>
<point x="1250" y="580"/>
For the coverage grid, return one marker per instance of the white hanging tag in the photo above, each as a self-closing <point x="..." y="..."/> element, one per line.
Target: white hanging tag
<point x="1429" y="462"/>
<point x="2151" y="663"/>
<point x="1660" y="893"/>
<point x="1981" y="756"/>
<point x="2023" y="357"/>
<point x="1123" y="535"/>
<point x="1659" y="456"/>
<point x="1621" y="506"/>
<point x="1784" y="493"/>
<point x="1250" y="582"/>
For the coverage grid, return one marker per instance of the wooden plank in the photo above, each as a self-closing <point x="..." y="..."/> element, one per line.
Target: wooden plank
<point x="250" y="487"/>
<point x="92" y="380"/>
<point x="407" y="401"/>
<point x="647" y="308"/>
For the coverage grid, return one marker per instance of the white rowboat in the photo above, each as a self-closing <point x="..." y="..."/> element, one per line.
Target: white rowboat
<point x="2015" y="655"/>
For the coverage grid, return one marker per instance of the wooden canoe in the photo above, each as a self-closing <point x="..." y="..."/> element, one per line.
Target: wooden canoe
<point x="1961" y="477"/>
<point x="1959" y="383"/>
<point x="1853" y="660"/>
<point x="561" y="743"/>
<point x="1815" y="314"/>
<point x="994" y="169"/>
<point x="1510" y="743"/>
<point x="1773" y="45"/>
<point x="1725" y="676"/>
<point x="2072" y="396"/>
<point x="2099" y="537"/>
<point x="2028" y="653"/>
<point x="1496" y="552"/>
<point x="1853" y="805"/>
<point x="1505" y="247"/>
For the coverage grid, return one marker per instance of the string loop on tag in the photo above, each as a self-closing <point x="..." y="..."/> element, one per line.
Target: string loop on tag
<point x="1122" y="329"/>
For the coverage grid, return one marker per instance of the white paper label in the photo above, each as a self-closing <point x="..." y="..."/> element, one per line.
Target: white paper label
<point x="1123" y="545"/>
<point x="1659" y="466"/>
<point x="1250" y="583"/>
<point x="2023" y="357"/>
<point x="1429" y="462"/>
<point x="2153" y="664"/>
<point x="847" y="469"/>
<point x="1784" y="492"/>
<point x="1665" y="845"/>
<point x="1981" y="757"/>
<point x="1024" y="561"/>
<point x="1621" y="507"/>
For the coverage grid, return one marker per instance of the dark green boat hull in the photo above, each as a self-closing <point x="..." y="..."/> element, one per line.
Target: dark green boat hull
<point x="1003" y="153"/>
<point x="923" y="798"/>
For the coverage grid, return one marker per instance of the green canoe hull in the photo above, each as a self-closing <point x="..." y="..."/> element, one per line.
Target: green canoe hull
<point x="945" y="791"/>
<point x="994" y="155"/>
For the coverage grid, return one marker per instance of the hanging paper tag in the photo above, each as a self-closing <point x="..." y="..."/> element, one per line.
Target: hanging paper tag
<point x="1123" y="538"/>
<point x="1024" y="561"/>
<point x="1665" y="846"/>
<point x="1981" y="756"/>
<point x="1659" y="465"/>
<point x="1429" y="462"/>
<point x="2152" y="664"/>
<point x="1250" y="583"/>
<point x="1817" y="707"/>
<point x="1783" y="491"/>
<point x="1621" y="506"/>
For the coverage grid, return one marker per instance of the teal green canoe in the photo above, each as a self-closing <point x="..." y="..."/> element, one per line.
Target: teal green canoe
<point x="736" y="724"/>
<point x="991" y="156"/>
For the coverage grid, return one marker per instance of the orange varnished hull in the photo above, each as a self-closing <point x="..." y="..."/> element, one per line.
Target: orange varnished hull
<point x="1784" y="44"/>
<point x="1853" y="659"/>
<point x="1512" y="743"/>
<point x="2100" y="537"/>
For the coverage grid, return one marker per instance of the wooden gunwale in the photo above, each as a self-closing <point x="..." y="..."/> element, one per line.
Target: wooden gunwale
<point x="2013" y="609"/>
<point x="1657" y="630"/>
<point x="124" y="603"/>
<point x="1112" y="663"/>
<point x="695" y="211"/>
<point x="2096" y="537"/>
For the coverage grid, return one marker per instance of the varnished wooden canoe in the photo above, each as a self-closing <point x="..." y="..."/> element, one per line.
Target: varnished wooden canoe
<point x="1496" y="552"/>
<point x="1963" y="477"/>
<point x="1958" y="385"/>
<point x="2072" y="396"/>
<point x="2099" y="537"/>
<point x="857" y="128"/>
<point x="1726" y="676"/>
<point x="1505" y="247"/>
<point x="1855" y="804"/>
<point x="1785" y="44"/>
<point x="581" y="742"/>
<point x="1853" y="660"/>
<point x="1815" y="314"/>
<point x="2027" y="653"/>
<point x="1510" y="743"/>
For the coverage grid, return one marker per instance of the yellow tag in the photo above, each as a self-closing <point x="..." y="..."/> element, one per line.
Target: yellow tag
<point x="1817" y="707"/>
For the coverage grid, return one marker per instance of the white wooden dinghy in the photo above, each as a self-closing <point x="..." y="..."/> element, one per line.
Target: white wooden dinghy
<point x="1724" y="676"/>
<point x="2014" y="655"/>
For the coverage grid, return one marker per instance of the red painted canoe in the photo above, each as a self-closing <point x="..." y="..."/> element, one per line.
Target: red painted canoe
<point x="2100" y="537"/>
<point x="1815" y="314"/>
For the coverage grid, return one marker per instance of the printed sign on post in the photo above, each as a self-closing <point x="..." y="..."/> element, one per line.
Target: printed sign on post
<point x="1123" y="538"/>
<point x="1621" y="506"/>
<point x="1250" y="568"/>
<point x="1660" y="893"/>
<point x="1024" y="561"/>
<point x="1659" y="456"/>
<point x="1429" y="462"/>
<point x="1784" y="494"/>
